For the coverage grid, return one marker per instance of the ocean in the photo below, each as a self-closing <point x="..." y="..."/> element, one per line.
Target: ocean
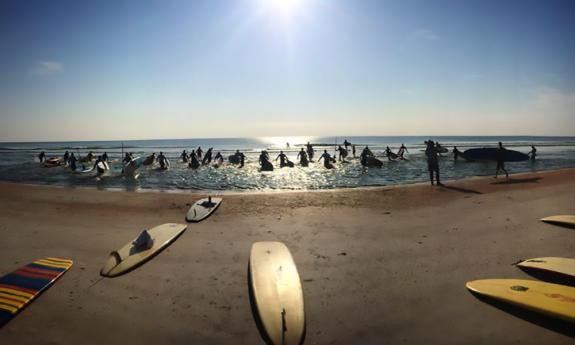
<point x="18" y="162"/>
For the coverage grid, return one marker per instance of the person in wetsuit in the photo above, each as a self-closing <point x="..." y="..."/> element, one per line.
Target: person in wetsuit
<point x="533" y="153"/>
<point x="127" y="158"/>
<point x="310" y="150"/>
<point x="184" y="156"/>
<point x="346" y="143"/>
<point x="353" y="150"/>
<point x="72" y="160"/>
<point x="302" y="156"/>
<point x="283" y="159"/>
<point x="342" y="153"/>
<point x="66" y="157"/>
<point x="163" y="160"/>
<point x="199" y="152"/>
<point x="432" y="162"/>
<point x="207" y="157"/>
<point x="402" y="151"/>
<point x="456" y="153"/>
<point x="105" y="157"/>
<point x="327" y="160"/>
<point x="218" y="159"/>
<point x="500" y="158"/>
<point x="194" y="162"/>
<point x="389" y="154"/>
<point x="42" y="157"/>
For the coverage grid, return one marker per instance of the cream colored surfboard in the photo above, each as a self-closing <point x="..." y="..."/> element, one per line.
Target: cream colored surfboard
<point x="128" y="257"/>
<point x="565" y="220"/>
<point x="563" y="266"/>
<point x="546" y="298"/>
<point x="202" y="209"/>
<point x="277" y="292"/>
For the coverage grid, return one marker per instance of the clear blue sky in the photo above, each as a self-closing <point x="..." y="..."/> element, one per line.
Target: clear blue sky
<point x="82" y="70"/>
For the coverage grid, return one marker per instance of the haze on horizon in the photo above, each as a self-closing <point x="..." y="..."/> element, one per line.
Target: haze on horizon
<point x="106" y="70"/>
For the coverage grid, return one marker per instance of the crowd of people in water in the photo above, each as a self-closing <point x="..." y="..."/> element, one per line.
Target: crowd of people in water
<point x="196" y="158"/>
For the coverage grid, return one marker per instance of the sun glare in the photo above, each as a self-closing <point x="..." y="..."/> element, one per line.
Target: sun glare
<point x="285" y="8"/>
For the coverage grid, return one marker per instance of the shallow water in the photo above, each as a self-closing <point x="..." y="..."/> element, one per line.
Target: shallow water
<point x="18" y="163"/>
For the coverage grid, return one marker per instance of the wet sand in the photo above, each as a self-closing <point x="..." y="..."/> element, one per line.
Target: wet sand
<point x="378" y="266"/>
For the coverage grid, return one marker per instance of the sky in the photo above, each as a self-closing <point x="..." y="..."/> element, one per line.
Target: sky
<point x="119" y="70"/>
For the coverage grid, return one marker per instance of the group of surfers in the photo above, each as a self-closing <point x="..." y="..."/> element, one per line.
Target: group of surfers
<point x="198" y="157"/>
<point x="100" y="163"/>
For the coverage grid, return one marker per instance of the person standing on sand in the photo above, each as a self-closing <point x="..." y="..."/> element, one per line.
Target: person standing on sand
<point x="432" y="162"/>
<point x="456" y="153"/>
<point x="500" y="157"/>
<point x="533" y="153"/>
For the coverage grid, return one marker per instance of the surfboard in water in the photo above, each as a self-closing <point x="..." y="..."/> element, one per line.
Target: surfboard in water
<point x="550" y="299"/>
<point x="21" y="287"/>
<point x="277" y="292"/>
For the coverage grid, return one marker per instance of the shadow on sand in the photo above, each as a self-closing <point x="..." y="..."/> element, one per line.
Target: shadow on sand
<point x="519" y="180"/>
<point x="256" y="314"/>
<point x="556" y="325"/>
<point x="548" y="276"/>
<point x="462" y="190"/>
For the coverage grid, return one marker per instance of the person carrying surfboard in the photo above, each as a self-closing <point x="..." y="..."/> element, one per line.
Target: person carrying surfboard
<point x="164" y="162"/>
<point x="500" y="158"/>
<point x="207" y="157"/>
<point x="283" y="159"/>
<point x="402" y="150"/>
<point x="533" y="153"/>
<point x="342" y="153"/>
<point x="432" y="162"/>
<point x="194" y="162"/>
<point x="456" y="153"/>
<point x="327" y="160"/>
<point x="199" y="152"/>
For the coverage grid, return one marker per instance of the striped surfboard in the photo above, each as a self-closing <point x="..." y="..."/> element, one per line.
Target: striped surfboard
<point x="20" y="287"/>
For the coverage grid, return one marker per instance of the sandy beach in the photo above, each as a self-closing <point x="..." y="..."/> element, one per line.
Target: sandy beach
<point x="378" y="266"/>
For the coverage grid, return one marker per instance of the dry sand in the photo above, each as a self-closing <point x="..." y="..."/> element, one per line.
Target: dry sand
<point x="378" y="266"/>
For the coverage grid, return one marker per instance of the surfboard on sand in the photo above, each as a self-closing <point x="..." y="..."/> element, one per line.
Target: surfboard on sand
<point x="550" y="299"/>
<point x="19" y="288"/>
<point x="490" y="154"/>
<point x="563" y="220"/>
<point x="129" y="257"/>
<point x="563" y="266"/>
<point x="202" y="209"/>
<point x="277" y="292"/>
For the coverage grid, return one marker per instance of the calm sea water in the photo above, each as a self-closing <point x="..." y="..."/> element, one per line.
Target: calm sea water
<point x="18" y="162"/>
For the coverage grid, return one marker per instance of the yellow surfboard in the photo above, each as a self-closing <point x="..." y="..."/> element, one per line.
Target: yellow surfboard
<point x="128" y="257"/>
<point x="563" y="266"/>
<point x="565" y="220"/>
<point x="546" y="298"/>
<point x="277" y="292"/>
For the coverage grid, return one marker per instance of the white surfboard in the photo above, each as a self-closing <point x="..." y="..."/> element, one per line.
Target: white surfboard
<point x="202" y="209"/>
<point x="563" y="220"/>
<point x="277" y="292"/>
<point x="128" y="257"/>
